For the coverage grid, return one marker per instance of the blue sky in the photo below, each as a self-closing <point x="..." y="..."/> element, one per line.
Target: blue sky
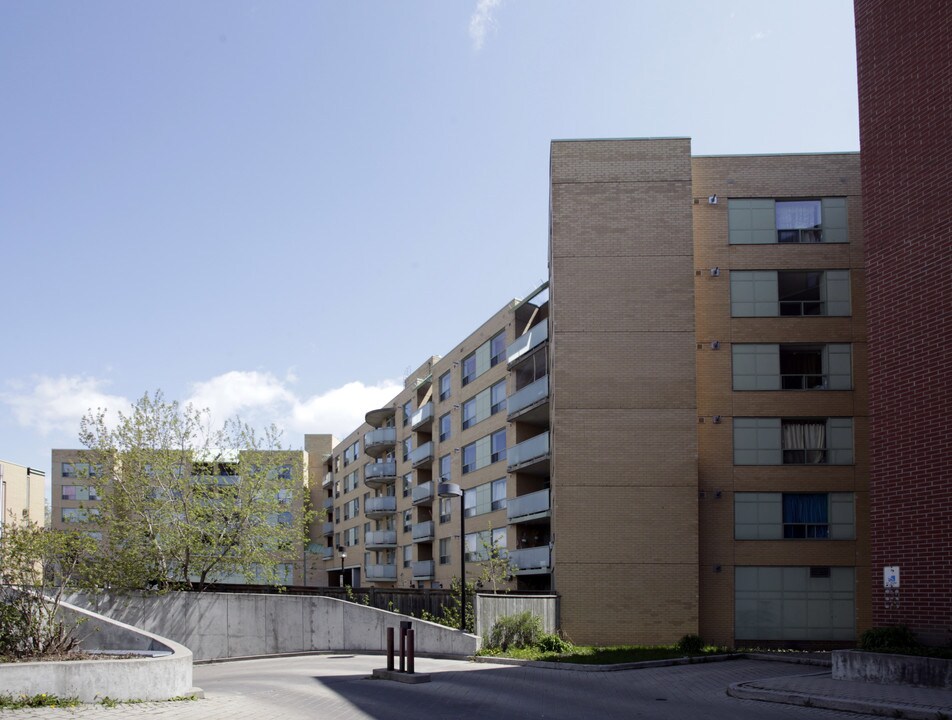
<point x="266" y="207"/>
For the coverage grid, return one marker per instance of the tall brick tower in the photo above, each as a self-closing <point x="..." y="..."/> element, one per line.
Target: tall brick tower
<point x="905" y="103"/>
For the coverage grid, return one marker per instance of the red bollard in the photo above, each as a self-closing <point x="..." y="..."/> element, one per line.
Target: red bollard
<point x="390" y="648"/>
<point x="410" y="651"/>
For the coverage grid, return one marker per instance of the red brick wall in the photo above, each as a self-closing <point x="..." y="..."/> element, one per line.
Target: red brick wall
<point x="905" y="100"/>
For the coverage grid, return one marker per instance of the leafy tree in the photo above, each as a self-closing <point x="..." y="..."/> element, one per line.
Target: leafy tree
<point x="181" y="502"/>
<point x="37" y="566"/>
<point x="497" y="569"/>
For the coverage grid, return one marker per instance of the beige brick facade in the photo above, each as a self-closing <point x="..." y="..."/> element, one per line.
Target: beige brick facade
<point x="22" y="493"/>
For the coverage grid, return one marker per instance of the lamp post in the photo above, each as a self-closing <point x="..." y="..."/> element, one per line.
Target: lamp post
<point x="451" y="490"/>
<point x="343" y="556"/>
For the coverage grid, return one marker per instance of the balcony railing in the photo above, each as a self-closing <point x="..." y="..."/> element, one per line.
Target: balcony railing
<point x="377" y="507"/>
<point x="380" y="539"/>
<point x="536" y="335"/>
<point x="380" y="473"/>
<point x="423" y="494"/>
<point x="528" y="505"/>
<point x="534" y="448"/>
<point x="328" y="503"/>
<point x="379" y="441"/>
<point x="328" y="480"/>
<point x="421" y="455"/>
<point x="529" y="559"/>
<point x="381" y="573"/>
<point x="423" y="569"/>
<point x="529" y="395"/>
<point x="328" y="553"/>
<point x="421" y="417"/>
<point x="328" y="528"/>
<point x="423" y="532"/>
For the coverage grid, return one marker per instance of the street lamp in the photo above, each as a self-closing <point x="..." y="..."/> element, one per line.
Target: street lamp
<point x="343" y="556"/>
<point x="451" y="490"/>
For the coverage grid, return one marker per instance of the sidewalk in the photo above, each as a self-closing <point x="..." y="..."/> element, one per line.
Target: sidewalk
<point x="820" y="690"/>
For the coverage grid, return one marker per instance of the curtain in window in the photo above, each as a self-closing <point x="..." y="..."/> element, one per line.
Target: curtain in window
<point x="804" y="442"/>
<point x="798" y="215"/>
<point x="806" y="515"/>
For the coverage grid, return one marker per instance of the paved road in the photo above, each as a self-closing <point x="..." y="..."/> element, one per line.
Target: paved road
<point x="332" y="687"/>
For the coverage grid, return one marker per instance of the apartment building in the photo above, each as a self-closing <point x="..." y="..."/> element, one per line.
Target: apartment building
<point x="76" y="485"/>
<point x="22" y="492"/>
<point x="671" y="434"/>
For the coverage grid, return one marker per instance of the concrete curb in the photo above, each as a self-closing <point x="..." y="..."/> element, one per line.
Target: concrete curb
<point x="578" y="667"/>
<point x="750" y="691"/>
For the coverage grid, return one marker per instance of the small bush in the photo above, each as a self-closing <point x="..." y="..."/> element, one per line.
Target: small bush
<point x="516" y="631"/>
<point x="889" y="637"/>
<point x="690" y="644"/>
<point x="553" y="643"/>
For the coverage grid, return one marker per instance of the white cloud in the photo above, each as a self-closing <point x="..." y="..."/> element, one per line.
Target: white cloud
<point x="481" y="20"/>
<point x="58" y="403"/>
<point x="759" y="35"/>
<point x="50" y="404"/>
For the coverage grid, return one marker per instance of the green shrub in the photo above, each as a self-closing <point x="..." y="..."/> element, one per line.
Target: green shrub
<point x="516" y="631"/>
<point x="690" y="644"/>
<point x="553" y="643"/>
<point x="888" y="637"/>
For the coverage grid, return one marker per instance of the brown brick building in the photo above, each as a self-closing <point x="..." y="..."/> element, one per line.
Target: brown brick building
<point x="905" y="102"/>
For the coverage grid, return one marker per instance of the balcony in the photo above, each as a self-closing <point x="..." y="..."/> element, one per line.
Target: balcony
<point x="422" y="455"/>
<point x="530" y="404"/>
<point x="377" y="508"/>
<point x="328" y="503"/>
<point x="422" y="417"/>
<point x="528" y="342"/>
<point x="328" y="553"/>
<point x="533" y="506"/>
<point x="378" y="418"/>
<point x="423" y="532"/>
<point x="381" y="573"/>
<point x="531" y="561"/>
<point x="423" y="494"/>
<point x="423" y="569"/>
<point x="328" y="480"/>
<point x="530" y="456"/>
<point x="328" y="528"/>
<point x="379" y="442"/>
<point x="380" y="539"/>
<point x="380" y="474"/>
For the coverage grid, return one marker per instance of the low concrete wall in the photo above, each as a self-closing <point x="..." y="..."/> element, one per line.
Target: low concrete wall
<point x="892" y="669"/>
<point x="490" y="608"/>
<point x="227" y="625"/>
<point x="148" y="678"/>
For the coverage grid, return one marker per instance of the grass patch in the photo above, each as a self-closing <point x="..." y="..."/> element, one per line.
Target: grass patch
<point x="612" y="655"/>
<point x="17" y="702"/>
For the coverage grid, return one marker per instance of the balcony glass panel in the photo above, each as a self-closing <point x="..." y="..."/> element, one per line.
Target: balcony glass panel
<point x="529" y="395"/>
<point x="531" y="504"/>
<point x="423" y="531"/>
<point x="381" y="436"/>
<point x="328" y="528"/>
<point x="421" y="454"/>
<point x="531" y="449"/>
<point x="536" y="336"/>
<point x="328" y="553"/>
<point x="328" y="480"/>
<point x="384" y="504"/>
<point x="422" y="493"/>
<point x="422" y="416"/>
<point x="378" y="538"/>
<point x="328" y="503"/>
<point x="536" y="558"/>
<point x="423" y="569"/>
<point x="381" y="572"/>
<point x="374" y="471"/>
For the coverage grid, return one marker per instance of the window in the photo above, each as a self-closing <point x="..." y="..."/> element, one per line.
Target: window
<point x="407" y="446"/>
<point x="534" y="367"/>
<point x="498" y="397"/>
<point x="793" y="441"/>
<point x="498" y="446"/>
<point x="484" y="451"/>
<point x="78" y="515"/>
<point x="469" y="369"/>
<point x="468" y="413"/>
<point x="407" y="484"/>
<point x="485" y="498"/>
<point x="469" y="458"/>
<point x="80" y="469"/>
<point x="351" y="508"/>
<point x="79" y="492"/>
<point x="407" y="555"/>
<point x="351" y="453"/>
<point x="351" y="536"/>
<point x="445" y="427"/>
<point x="478" y="543"/>
<point x="497" y="349"/>
<point x="445" y="388"/>
<point x="776" y="516"/>
<point x="407" y="413"/>
<point x="407" y="520"/>
<point x="446" y="510"/>
<point x="792" y="367"/>
<point x="790" y="293"/>
<point x="446" y="467"/>
<point x="766" y="221"/>
<point x="445" y="556"/>
<point x="284" y="496"/>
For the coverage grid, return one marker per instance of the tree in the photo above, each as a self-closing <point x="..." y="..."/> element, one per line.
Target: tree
<point x="181" y="502"/>
<point x="496" y="566"/>
<point x="37" y="566"/>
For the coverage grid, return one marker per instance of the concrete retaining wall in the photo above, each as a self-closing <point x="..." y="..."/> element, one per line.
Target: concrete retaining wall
<point x="148" y="678"/>
<point x="227" y="625"/>
<point x="892" y="669"/>
<point x="490" y="608"/>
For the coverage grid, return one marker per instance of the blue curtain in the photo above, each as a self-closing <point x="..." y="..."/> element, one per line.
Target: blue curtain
<point x="805" y="508"/>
